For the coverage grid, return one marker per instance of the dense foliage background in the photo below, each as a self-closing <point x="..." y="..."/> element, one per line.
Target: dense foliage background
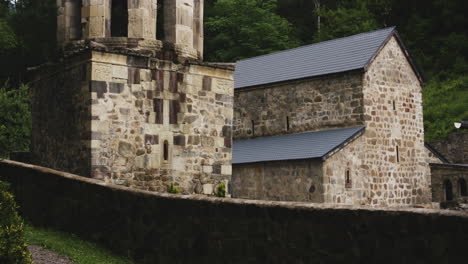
<point x="435" y="32"/>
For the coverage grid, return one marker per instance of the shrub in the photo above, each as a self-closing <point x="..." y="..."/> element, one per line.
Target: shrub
<point x="173" y="189"/>
<point x="13" y="249"/>
<point x="221" y="190"/>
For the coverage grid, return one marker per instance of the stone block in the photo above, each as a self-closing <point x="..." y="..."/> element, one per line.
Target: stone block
<point x="208" y="189"/>
<point x="226" y="169"/>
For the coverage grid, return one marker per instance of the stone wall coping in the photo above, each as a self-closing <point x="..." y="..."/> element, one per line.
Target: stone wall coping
<point x="261" y="204"/>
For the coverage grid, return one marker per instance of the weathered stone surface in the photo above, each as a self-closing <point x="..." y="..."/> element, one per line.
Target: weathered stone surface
<point x="232" y="231"/>
<point x="449" y="182"/>
<point x="454" y="148"/>
<point x="126" y="149"/>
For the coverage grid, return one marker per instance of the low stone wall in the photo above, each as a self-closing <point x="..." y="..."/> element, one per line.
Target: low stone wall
<point x="163" y="228"/>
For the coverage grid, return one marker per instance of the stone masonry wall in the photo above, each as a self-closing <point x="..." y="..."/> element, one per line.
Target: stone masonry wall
<point x="61" y="116"/>
<point x="328" y="102"/>
<point x="455" y="148"/>
<point x="135" y="121"/>
<point x="347" y="161"/>
<point x="161" y="228"/>
<point x="442" y="173"/>
<point x="395" y="158"/>
<point x="296" y="180"/>
<point x="142" y="107"/>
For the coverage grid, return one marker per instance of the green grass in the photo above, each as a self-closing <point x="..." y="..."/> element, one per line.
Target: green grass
<point x="79" y="251"/>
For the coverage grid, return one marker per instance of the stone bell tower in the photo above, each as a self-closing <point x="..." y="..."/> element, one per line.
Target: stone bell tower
<point x="132" y="102"/>
<point x="179" y="22"/>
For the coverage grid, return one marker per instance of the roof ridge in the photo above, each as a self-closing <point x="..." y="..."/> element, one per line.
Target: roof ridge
<point x="318" y="43"/>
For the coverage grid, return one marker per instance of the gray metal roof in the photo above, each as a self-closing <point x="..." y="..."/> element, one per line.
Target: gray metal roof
<point x="290" y="147"/>
<point x="333" y="56"/>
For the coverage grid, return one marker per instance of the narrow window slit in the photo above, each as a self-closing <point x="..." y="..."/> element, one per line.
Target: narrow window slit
<point x="397" y="154"/>
<point x="253" y="128"/>
<point x="287" y="123"/>
<point x="348" y="179"/>
<point x="166" y="151"/>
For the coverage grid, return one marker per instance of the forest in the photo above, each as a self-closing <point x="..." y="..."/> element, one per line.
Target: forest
<point x="434" y="31"/>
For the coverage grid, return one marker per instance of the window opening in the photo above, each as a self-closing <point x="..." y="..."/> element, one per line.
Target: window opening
<point x="160" y="21"/>
<point x="253" y="128"/>
<point x="119" y="18"/>
<point x="166" y="150"/>
<point x="462" y="187"/>
<point x="287" y="123"/>
<point x="74" y="13"/>
<point x="394" y="105"/>
<point x="348" y="179"/>
<point x="397" y="154"/>
<point x="448" y="190"/>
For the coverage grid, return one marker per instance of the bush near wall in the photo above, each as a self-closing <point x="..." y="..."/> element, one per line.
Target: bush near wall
<point x="13" y="249"/>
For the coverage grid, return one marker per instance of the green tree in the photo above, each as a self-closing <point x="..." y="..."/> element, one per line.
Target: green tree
<point x="15" y="120"/>
<point x="237" y="29"/>
<point x="445" y="102"/>
<point x="348" y="19"/>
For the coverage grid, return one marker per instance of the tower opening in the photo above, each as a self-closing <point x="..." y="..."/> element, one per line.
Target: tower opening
<point x="160" y="21"/>
<point x="119" y="18"/>
<point x="73" y="11"/>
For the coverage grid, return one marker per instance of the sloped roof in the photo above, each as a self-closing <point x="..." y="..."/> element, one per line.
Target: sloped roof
<point x="291" y="147"/>
<point x="333" y="56"/>
<point x="436" y="153"/>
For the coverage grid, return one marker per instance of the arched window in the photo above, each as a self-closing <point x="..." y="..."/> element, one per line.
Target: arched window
<point x="462" y="187"/>
<point x="448" y="190"/>
<point x="119" y="18"/>
<point x="348" y="183"/>
<point x="166" y="150"/>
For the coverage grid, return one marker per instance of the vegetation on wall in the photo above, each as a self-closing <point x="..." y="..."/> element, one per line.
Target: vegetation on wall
<point x="435" y="32"/>
<point x="15" y="120"/>
<point x="13" y="249"/>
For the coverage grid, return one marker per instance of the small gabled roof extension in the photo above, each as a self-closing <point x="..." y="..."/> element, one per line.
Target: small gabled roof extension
<point x="436" y="153"/>
<point x="334" y="56"/>
<point x="312" y="145"/>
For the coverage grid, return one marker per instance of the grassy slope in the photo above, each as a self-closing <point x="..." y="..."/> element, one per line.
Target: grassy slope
<point x="81" y="252"/>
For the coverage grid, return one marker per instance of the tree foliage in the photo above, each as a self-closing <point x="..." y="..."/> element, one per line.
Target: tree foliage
<point x="238" y="29"/>
<point x="346" y="20"/>
<point x="15" y="120"/>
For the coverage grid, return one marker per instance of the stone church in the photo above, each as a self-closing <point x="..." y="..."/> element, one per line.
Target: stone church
<point x="131" y="102"/>
<point x="338" y="122"/>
